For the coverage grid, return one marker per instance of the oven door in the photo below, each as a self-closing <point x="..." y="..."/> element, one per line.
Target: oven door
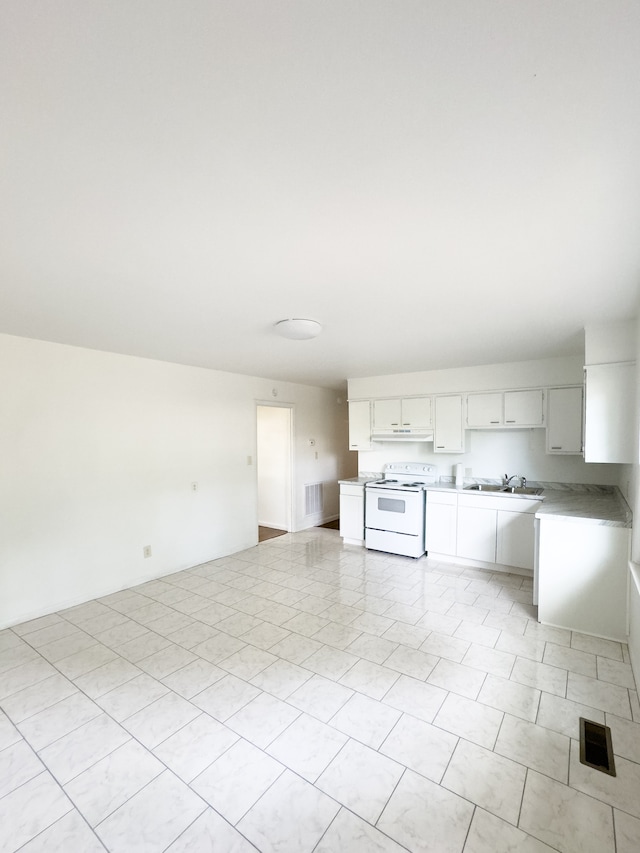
<point x="394" y="510"/>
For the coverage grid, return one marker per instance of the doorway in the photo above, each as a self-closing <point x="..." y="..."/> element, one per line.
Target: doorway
<point x="273" y="464"/>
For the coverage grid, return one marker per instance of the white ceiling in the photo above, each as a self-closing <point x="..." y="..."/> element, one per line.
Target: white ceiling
<point x="438" y="182"/>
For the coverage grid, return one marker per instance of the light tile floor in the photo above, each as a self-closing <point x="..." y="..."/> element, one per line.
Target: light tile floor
<point x="302" y="696"/>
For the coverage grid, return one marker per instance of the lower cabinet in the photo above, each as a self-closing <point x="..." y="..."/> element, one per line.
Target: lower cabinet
<point x="442" y="521"/>
<point x="583" y="577"/>
<point x="352" y="513"/>
<point x="515" y="540"/>
<point x="481" y="527"/>
<point x="477" y="533"/>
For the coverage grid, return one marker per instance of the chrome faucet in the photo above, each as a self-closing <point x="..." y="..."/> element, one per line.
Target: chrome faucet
<point x="507" y="480"/>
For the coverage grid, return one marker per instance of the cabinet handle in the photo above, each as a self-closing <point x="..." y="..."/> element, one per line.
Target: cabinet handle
<point x="557" y="448"/>
<point x="510" y="422"/>
<point x="497" y="422"/>
<point x="395" y="423"/>
<point x="406" y="423"/>
<point x="440" y="446"/>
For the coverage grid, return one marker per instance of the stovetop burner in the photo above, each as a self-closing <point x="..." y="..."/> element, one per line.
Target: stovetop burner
<point x="407" y="475"/>
<point x="401" y="484"/>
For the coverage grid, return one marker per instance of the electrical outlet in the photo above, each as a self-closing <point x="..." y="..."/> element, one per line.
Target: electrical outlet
<point x="249" y="460"/>
<point x="467" y="472"/>
<point x="194" y="487"/>
<point x="146" y="551"/>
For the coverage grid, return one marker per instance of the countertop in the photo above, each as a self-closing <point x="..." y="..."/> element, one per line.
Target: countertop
<point x="608" y="508"/>
<point x="361" y="480"/>
<point x="590" y="504"/>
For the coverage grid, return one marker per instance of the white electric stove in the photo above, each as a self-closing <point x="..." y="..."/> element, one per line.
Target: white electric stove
<point x="395" y="508"/>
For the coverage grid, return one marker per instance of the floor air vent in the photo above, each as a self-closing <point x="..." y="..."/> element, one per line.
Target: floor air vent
<point x="595" y="746"/>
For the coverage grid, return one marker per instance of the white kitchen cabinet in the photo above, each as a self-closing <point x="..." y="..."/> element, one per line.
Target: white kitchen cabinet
<point x="515" y="541"/>
<point x="352" y="513"/>
<point x="360" y="425"/>
<point x="524" y="408"/>
<point x="441" y="522"/>
<point x="609" y="425"/>
<point x="485" y="410"/>
<point x="387" y="414"/>
<point x="583" y="576"/>
<point x="448" y="427"/>
<point x="564" y="420"/>
<point x="476" y="531"/>
<point x="416" y="412"/>
<point x="407" y="413"/>
<point x="497" y="529"/>
<point x="505" y="409"/>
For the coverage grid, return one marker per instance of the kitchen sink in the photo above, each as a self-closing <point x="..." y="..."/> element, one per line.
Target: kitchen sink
<point x="483" y="487"/>
<point x="511" y="490"/>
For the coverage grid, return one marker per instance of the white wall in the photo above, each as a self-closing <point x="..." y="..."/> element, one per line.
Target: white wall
<point x="634" y="580"/>
<point x="607" y="343"/>
<point x="98" y="455"/>
<point x="492" y="453"/>
<point x="517" y="374"/>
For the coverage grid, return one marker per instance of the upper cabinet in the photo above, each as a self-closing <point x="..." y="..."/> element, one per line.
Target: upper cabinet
<point x="485" y="410"/>
<point x="416" y="412"/>
<point x="360" y="425"/>
<point x="448" y="428"/>
<point x="564" y="420"/>
<point x="609" y="423"/>
<point x="409" y="413"/>
<point x="524" y="408"/>
<point x="506" y="408"/>
<point x="443" y="418"/>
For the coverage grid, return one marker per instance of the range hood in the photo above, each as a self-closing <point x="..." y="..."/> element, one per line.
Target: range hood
<point x="402" y="435"/>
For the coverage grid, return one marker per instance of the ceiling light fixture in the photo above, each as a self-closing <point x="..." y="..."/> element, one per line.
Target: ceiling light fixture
<point x="298" y="329"/>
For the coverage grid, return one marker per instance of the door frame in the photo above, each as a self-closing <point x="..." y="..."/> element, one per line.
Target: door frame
<point x="291" y="479"/>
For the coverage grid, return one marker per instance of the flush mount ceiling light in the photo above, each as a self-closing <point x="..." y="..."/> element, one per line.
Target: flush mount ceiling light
<point x="298" y="329"/>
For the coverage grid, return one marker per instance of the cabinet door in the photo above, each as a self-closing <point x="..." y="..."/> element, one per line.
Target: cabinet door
<point x="564" y="420"/>
<point x="352" y="517"/>
<point x="416" y="412"/>
<point x="448" y="433"/>
<point x="516" y="539"/>
<point x="387" y="414"/>
<point x="360" y="425"/>
<point x="440" y="532"/>
<point x="484" y="410"/>
<point x="476" y="538"/>
<point x="609" y="413"/>
<point x="524" y="408"/>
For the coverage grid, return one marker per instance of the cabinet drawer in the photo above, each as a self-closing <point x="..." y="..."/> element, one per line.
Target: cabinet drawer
<point x="482" y="502"/>
<point x="504" y="502"/>
<point x="348" y="489"/>
<point x="448" y="498"/>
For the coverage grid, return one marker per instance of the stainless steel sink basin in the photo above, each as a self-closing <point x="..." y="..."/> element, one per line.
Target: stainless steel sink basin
<point x="483" y="487"/>
<point x="512" y="490"/>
